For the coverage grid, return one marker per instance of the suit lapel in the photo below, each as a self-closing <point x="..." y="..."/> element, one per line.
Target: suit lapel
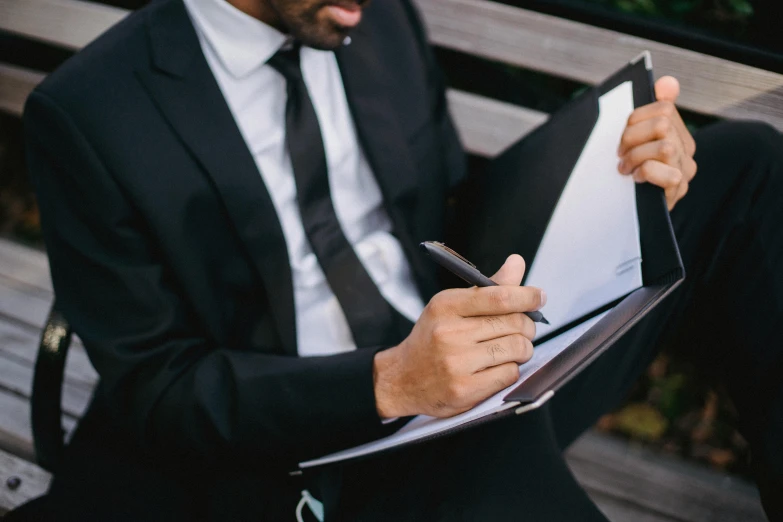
<point x="189" y="97"/>
<point x="367" y="87"/>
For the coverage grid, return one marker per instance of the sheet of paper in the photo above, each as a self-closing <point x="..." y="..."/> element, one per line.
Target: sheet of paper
<point x="590" y="253"/>
<point x="424" y="426"/>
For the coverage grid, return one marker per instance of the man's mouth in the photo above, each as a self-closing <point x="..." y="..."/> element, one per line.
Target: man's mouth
<point x="345" y="14"/>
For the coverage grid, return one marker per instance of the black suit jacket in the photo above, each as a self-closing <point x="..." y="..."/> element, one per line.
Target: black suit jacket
<point x="168" y="258"/>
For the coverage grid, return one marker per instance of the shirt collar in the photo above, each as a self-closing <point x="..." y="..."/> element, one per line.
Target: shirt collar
<point x="241" y="42"/>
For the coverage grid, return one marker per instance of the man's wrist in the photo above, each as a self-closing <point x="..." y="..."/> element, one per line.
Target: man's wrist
<point x="385" y="369"/>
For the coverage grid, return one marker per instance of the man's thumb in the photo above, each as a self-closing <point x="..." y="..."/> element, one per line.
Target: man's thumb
<point x="511" y="272"/>
<point x="667" y="88"/>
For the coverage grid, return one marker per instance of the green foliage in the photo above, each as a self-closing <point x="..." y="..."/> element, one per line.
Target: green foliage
<point x="682" y="9"/>
<point x="641" y="421"/>
<point x="727" y="17"/>
<point x="670" y="391"/>
<point x="676" y="410"/>
<point x="741" y="8"/>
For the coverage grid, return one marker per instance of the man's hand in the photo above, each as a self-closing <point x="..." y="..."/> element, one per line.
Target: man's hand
<point x="466" y="346"/>
<point x="657" y="147"/>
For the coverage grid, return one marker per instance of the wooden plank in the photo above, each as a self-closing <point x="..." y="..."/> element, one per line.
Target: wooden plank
<point x="26" y="265"/>
<point x="16" y="435"/>
<point x="24" y="307"/>
<point x="618" y="510"/>
<point x="15" y="84"/>
<point x="661" y="485"/>
<point x="67" y="23"/>
<point x="16" y="377"/>
<point x="487" y="126"/>
<point x="20" y="343"/>
<point x="34" y="481"/>
<point x="589" y="54"/>
<point x="517" y="36"/>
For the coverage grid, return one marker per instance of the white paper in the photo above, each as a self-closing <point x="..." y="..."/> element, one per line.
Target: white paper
<point x="423" y="426"/>
<point x="590" y="253"/>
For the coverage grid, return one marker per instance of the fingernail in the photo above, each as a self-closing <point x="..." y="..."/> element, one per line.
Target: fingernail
<point x="543" y="298"/>
<point x="621" y="166"/>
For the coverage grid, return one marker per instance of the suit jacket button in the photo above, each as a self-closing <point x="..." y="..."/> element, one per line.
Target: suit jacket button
<point x="13" y="483"/>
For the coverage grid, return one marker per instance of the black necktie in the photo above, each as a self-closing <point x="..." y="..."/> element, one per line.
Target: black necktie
<point x="371" y="319"/>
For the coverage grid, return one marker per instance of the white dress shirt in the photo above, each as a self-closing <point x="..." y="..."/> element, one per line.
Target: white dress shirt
<point x="237" y="47"/>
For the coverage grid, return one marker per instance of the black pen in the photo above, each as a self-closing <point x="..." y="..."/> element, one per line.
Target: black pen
<point x="465" y="270"/>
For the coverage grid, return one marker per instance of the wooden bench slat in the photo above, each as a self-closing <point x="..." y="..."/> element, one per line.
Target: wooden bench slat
<point x="15" y="84"/>
<point x="16" y="435"/>
<point x="589" y="54"/>
<point x="17" y="377"/>
<point x="620" y="510"/>
<point x="67" y="23"/>
<point x="517" y="36"/>
<point x="25" y="264"/>
<point x="24" y="271"/>
<point x="487" y="126"/>
<point x="20" y="342"/>
<point x="660" y="484"/>
<point x="24" y="307"/>
<point x="34" y="481"/>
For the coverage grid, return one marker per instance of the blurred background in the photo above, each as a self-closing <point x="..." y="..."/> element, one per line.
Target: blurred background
<point x="674" y="408"/>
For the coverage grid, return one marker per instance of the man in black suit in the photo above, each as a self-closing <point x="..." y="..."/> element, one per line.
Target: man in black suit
<point x="209" y="236"/>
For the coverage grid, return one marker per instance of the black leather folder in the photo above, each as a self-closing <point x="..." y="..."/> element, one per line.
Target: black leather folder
<point x="516" y="198"/>
<point x="526" y="180"/>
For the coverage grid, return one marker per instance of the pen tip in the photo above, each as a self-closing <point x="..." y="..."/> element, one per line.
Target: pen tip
<point x="544" y="321"/>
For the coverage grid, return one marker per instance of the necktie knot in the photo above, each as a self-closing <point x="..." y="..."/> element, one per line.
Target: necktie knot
<point x="286" y="62"/>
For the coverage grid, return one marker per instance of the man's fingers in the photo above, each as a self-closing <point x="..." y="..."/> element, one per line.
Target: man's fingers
<point x="654" y="110"/>
<point x="657" y="173"/>
<point x="494" y="300"/>
<point x="514" y="348"/>
<point x="463" y="394"/>
<point x="485" y="328"/>
<point x="667" y="110"/>
<point x="669" y="178"/>
<point x="682" y="190"/>
<point x="653" y="129"/>
<point x="689" y="168"/>
<point x="512" y="271"/>
<point x="664" y="151"/>
<point x="673" y="195"/>
<point x="492" y="380"/>
<point x="667" y="88"/>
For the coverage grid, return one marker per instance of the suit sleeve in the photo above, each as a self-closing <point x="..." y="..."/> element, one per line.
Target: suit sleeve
<point x="162" y="378"/>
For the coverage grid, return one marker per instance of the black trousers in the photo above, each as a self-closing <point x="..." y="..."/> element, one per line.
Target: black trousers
<point x="728" y="315"/>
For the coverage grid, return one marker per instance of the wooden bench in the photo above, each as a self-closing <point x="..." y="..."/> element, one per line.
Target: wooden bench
<point x="628" y="483"/>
